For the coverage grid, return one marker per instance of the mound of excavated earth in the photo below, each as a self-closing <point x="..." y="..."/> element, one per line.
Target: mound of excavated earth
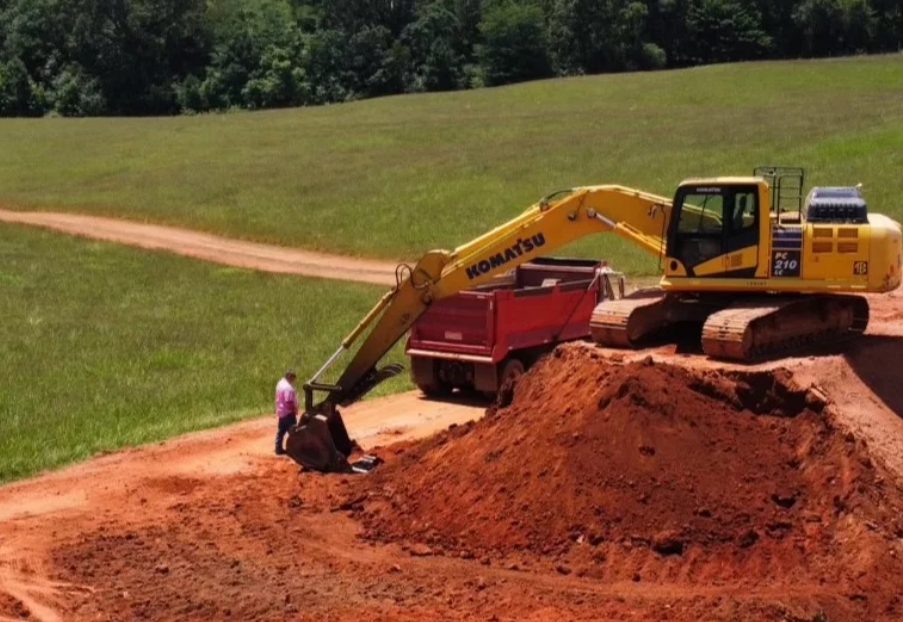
<point x="655" y="473"/>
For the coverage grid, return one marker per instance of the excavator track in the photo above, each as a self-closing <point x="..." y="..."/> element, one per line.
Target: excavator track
<point x="752" y="329"/>
<point x="745" y="329"/>
<point x="620" y="323"/>
<point x="624" y="323"/>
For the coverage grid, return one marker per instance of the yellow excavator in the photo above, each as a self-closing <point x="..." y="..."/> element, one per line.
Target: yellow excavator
<point x="762" y="268"/>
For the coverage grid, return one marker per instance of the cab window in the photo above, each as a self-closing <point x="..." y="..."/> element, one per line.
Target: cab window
<point x="744" y="212"/>
<point x="701" y="213"/>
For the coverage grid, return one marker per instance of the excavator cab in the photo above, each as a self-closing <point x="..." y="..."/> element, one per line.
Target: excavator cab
<point x="762" y="233"/>
<point x="715" y="228"/>
<point x="762" y="269"/>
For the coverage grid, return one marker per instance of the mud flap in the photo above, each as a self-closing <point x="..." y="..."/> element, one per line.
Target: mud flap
<point x="320" y="443"/>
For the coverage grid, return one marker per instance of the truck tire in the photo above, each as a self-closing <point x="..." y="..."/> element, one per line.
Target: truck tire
<point x="510" y="368"/>
<point x="426" y="378"/>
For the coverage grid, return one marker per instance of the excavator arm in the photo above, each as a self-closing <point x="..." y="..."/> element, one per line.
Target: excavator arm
<point x="551" y="223"/>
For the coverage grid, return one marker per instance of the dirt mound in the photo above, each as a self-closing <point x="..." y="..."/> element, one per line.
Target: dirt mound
<point x="652" y="472"/>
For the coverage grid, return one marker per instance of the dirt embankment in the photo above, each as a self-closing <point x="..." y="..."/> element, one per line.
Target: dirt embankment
<point x="654" y="473"/>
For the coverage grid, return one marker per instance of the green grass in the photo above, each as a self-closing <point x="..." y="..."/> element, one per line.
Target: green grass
<point x="397" y="176"/>
<point x="105" y="346"/>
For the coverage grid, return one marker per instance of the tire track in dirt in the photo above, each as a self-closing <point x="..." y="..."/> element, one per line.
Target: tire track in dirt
<point x="210" y="247"/>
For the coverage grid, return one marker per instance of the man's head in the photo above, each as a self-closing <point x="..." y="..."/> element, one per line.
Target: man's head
<point x="290" y="375"/>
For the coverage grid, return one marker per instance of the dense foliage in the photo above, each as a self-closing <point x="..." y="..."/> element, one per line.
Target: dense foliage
<point x="152" y="57"/>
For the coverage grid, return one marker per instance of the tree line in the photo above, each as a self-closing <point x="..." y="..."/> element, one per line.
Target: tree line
<point x="163" y="57"/>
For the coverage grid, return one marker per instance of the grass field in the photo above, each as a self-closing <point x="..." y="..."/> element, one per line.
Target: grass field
<point x="394" y="177"/>
<point x="105" y="346"/>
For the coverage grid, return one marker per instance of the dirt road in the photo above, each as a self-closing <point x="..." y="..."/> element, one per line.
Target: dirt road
<point x="210" y="247"/>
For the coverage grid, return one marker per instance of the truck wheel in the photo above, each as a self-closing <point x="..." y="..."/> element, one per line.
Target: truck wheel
<point x="512" y="368"/>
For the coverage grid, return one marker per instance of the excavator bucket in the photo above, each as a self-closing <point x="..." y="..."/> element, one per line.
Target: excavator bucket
<point x="320" y="442"/>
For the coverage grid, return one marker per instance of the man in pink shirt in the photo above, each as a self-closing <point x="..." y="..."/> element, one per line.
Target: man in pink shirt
<point x="286" y="408"/>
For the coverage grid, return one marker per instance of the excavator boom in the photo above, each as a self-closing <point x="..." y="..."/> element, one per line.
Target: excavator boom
<point x="553" y="222"/>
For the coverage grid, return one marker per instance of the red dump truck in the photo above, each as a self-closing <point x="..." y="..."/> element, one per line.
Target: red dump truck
<point x="478" y="338"/>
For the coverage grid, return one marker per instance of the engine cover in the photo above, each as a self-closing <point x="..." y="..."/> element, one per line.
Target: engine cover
<point x="836" y="204"/>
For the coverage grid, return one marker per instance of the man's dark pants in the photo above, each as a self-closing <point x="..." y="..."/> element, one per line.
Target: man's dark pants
<point x="285" y="424"/>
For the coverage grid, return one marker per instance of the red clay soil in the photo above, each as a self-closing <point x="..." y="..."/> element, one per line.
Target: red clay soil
<point x="275" y="547"/>
<point x="754" y="517"/>
<point x="654" y="473"/>
<point x="631" y="492"/>
<point x="11" y="607"/>
<point x="215" y="528"/>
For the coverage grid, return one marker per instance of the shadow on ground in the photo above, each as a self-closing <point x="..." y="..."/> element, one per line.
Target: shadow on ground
<point x="459" y="397"/>
<point x="876" y="360"/>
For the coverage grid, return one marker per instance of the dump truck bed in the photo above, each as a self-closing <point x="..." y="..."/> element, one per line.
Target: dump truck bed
<point x="542" y="303"/>
<point x="547" y="301"/>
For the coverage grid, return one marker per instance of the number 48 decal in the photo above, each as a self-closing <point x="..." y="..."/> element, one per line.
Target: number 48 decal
<point x="860" y="267"/>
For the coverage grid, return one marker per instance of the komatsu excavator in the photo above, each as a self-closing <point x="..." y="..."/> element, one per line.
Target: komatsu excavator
<point x="762" y="268"/>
